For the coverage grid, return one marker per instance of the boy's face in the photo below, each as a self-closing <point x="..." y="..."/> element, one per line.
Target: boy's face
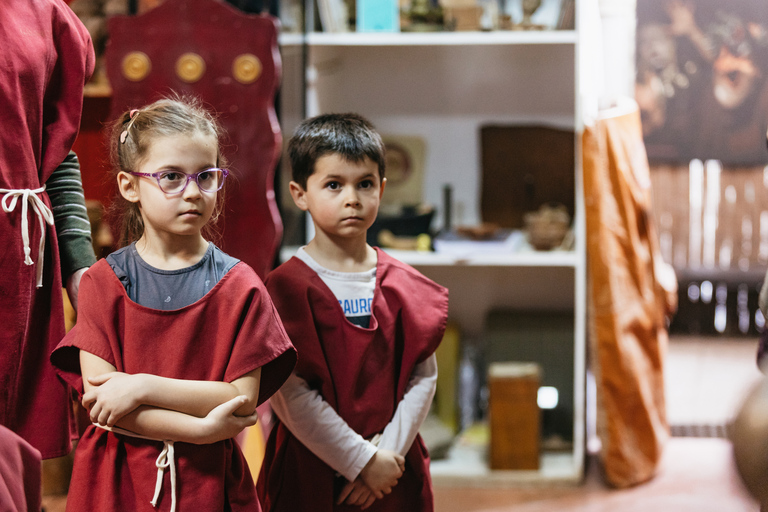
<point x="343" y="197"/>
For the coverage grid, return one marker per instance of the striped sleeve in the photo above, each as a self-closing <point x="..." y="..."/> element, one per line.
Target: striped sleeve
<point x="70" y="217"/>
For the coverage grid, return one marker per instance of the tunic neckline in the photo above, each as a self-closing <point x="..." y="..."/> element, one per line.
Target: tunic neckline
<point x="374" y="325"/>
<point x="116" y="282"/>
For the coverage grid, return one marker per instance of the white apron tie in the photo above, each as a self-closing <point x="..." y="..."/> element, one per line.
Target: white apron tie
<point x="166" y="459"/>
<point x="44" y="215"/>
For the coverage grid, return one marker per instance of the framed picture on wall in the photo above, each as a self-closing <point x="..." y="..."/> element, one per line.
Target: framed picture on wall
<point x="702" y="80"/>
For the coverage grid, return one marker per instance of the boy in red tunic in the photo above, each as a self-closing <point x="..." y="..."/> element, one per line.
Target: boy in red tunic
<point x="176" y="342"/>
<point x="366" y="327"/>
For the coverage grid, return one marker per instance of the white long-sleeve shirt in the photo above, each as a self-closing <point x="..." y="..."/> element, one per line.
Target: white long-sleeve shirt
<point x="319" y="427"/>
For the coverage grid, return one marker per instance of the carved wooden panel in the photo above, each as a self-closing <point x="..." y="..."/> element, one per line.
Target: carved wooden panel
<point x="231" y="60"/>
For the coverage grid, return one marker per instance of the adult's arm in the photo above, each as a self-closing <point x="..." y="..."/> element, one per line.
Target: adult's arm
<point x="70" y="217"/>
<point x="73" y="228"/>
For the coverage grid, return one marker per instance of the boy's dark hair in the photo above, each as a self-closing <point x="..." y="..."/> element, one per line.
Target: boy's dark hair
<point x="350" y="136"/>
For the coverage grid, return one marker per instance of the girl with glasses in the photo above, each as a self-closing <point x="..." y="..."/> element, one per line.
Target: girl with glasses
<point x="176" y="341"/>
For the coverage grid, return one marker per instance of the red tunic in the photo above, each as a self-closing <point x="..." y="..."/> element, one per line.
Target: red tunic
<point x="20" y="473"/>
<point x="231" y="331"/>
<point x="46" y="57"/>
<point x="362" y="373"/>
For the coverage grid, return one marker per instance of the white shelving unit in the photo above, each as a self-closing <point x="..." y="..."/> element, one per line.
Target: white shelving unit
<point x="443" y="87"/>
<point x="430" y="38"/>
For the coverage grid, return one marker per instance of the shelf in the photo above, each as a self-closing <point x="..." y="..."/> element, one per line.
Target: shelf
<point x="516" y="259"/>
<point x="466" y="467"/>
<point x="432" y="38"/>
<point x="529" y="258"/>
<point x="716" y="275"/>
<point x="92" y="90"/>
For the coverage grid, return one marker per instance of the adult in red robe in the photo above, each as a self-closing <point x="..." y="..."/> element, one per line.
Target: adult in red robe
<point x="46" y="58"/>
<point x="231" y="331"/>
<point x="362" y="373"/>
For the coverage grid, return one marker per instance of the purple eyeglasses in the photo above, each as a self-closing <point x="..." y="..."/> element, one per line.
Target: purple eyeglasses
<point x="175" y="182"/>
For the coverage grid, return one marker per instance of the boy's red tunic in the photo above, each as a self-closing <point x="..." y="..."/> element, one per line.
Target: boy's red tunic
<point x="46" y="57"/>
<point x="229" y="332"/>
<point x="362" y="373"/>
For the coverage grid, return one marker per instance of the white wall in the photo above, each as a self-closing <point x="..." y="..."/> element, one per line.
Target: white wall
<point x="619" y="21"/>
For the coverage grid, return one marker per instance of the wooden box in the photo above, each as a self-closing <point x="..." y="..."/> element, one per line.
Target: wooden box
<point x="524" y="167"/>
<point x="462" y="19"/>
<point x="514" y="415"/>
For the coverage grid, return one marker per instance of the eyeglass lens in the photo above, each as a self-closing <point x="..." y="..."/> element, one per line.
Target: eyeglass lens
<point x="210" y="180"/>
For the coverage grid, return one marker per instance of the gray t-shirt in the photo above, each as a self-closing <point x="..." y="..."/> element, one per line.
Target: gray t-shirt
<point x="168" y="289"/>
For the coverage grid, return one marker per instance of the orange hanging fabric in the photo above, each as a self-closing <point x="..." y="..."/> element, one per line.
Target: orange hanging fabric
<point x="631" y="294"/>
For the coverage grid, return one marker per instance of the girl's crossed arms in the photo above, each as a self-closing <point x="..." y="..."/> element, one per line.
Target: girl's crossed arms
<point x="192" y="411"/>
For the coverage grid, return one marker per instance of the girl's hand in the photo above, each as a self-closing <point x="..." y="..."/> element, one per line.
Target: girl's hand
<point x="221" y="423"/>
<point x="112" y="396"/>
<point x="356" y="493"/>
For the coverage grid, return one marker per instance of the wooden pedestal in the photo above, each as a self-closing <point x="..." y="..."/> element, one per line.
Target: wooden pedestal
<point x="514" y="415"/>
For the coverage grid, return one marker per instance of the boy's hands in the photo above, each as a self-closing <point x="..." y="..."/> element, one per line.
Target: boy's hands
<point x="356" y="493"/>
<point x="377" y="478"/>
<point x="112" y="396"/>
<point x="221" y="423"/>
<point x="382" y="472"/>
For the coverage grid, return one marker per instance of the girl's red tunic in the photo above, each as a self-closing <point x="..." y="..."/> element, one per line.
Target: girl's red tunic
<point x="362" y="373"/>
<point x="231" y="331"/>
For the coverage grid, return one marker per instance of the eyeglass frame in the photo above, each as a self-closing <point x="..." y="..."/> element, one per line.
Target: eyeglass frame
<point x="196" y="176"/>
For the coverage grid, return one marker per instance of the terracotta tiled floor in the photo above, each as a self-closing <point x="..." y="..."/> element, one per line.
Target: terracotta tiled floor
<point x="706" y="381"/>
<point x="696" y="474"/>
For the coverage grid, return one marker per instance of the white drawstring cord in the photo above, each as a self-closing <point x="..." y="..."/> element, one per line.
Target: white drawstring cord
<point x="165" y="460"/>
<point x="44" y="214"/>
